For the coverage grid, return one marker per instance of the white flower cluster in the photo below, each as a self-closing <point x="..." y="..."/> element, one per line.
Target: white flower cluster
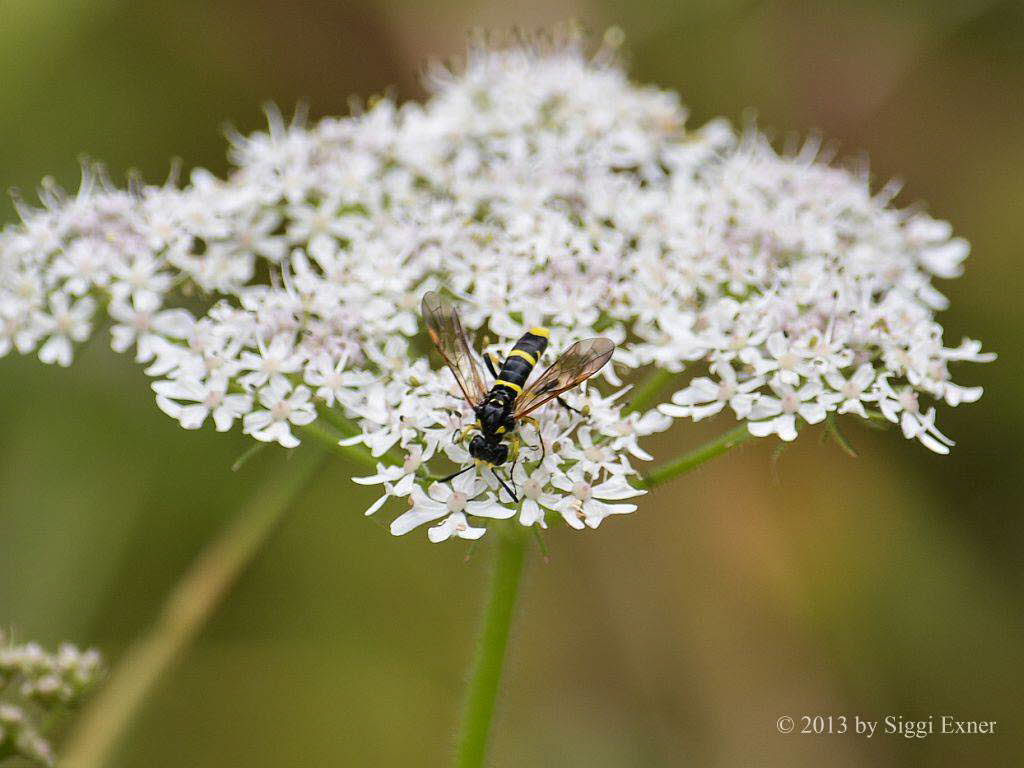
<point x="536" y="187"/>
<point x="39" y="685"/>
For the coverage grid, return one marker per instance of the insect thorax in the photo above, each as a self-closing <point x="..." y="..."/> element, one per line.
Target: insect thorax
<point x="495" y="412"/>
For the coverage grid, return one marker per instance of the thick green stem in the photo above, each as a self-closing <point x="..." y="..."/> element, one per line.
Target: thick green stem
<point x="327" y="431"/>
<point x="327" y="438"/>
<point x="648" y="390"/>
<point x="344" y="426"/>
<point x="696" y="457"/>
<point x="489" y="658"/>
<point x="185" y="612"/>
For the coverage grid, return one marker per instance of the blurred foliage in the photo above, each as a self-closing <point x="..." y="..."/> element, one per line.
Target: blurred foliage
<point x="889" y="584"/>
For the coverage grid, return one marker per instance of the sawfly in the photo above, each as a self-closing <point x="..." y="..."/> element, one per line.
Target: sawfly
<point x="509" y="400"/>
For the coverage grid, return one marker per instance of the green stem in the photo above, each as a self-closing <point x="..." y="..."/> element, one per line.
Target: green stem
<point x="185" y="612"/>
<point x="696" y="457"/>
<point x="485" y="672"/>
<point x="346" y="427"/>
<point x="647" y="392"/>
<point x="328" y="439"/>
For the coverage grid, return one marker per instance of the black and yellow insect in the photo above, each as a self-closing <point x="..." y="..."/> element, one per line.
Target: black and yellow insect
<point x="509" y="400"/>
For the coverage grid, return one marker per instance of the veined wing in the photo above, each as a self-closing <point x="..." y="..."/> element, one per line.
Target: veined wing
<point x="577" y="364"/>
<point x="449" y="337"/>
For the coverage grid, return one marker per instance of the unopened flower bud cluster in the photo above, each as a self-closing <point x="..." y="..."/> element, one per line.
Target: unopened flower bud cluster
<point x="36" y="686"/>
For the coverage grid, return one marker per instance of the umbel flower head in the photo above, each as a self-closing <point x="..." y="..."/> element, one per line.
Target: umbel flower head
<point x="536" y="186"/>
<point x="39" y="686"/>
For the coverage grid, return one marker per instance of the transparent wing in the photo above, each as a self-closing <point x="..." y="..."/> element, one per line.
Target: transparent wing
<point x="577" y="364"/>
<point x="446" y="332"/>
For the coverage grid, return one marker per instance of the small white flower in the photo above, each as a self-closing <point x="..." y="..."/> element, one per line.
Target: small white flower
<point x="282" y="408"/>
<point x="331" y="378"/>
<point x="140" y="275"/>
<point x="257" y="237"/>
<point x="191" y="401"/>
<point x="397" y="481"/>
<point x="779" y="413"/>
<point x="588" y="503"/>
<point x="272" y="363"/>
<point x="789" y="361"/>
<point x="706" y="397"/>
<point x="535" y="498"/>
<point x="64" y="324"/>
<point x="456" y="524"/>
<point x="442" y="499"/>
<point x="141" y="324"/>
<point x="903" y="407"/>
<point x="855" y="391"/>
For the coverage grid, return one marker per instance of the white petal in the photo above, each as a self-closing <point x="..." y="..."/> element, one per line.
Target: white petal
<point x="193" y="416"/>
<point x="785" y="425"/>
<point x="57" y="349"/>
<point x="414" y="518"/>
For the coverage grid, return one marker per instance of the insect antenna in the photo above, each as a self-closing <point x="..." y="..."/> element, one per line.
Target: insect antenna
<point x="512" y="495"/>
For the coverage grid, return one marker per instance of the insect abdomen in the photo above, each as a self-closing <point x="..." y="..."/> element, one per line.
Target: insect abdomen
<point x="522" y="359"/>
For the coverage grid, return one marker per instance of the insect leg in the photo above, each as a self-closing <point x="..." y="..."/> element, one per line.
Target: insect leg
<point x="515" y="443"/>
<point x="512" y="495"/>
<point x="511" y="475"/>
<point x="456" y="474"/>
<point x="566" y="406"/>
<point x="540" y="438"/>
<point x="489" y="362"/>
<point x="461" y="434"/>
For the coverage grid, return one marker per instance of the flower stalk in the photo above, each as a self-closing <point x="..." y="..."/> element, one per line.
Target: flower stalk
<point x="328" y="439"/>
<point x="695" y="458"/>
<point x="186" y="611"/>
<point x="492" y="643"/>
<point x="646" y="393"/>
<point x="489" y="657"/>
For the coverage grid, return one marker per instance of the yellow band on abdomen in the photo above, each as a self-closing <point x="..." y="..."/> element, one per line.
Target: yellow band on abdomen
<point x="523" y="354"/>
<point x="544" y="332"/>
<point x="514" y="387"/>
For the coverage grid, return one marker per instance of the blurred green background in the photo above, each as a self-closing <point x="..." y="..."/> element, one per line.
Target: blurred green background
<point x="890" y="584"/>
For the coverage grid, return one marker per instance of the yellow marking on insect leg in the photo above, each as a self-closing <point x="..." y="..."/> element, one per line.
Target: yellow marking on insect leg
<point x="514" y="442"/>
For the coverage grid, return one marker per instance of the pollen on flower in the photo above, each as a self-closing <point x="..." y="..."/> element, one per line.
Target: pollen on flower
<point x="536" y="186"/>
